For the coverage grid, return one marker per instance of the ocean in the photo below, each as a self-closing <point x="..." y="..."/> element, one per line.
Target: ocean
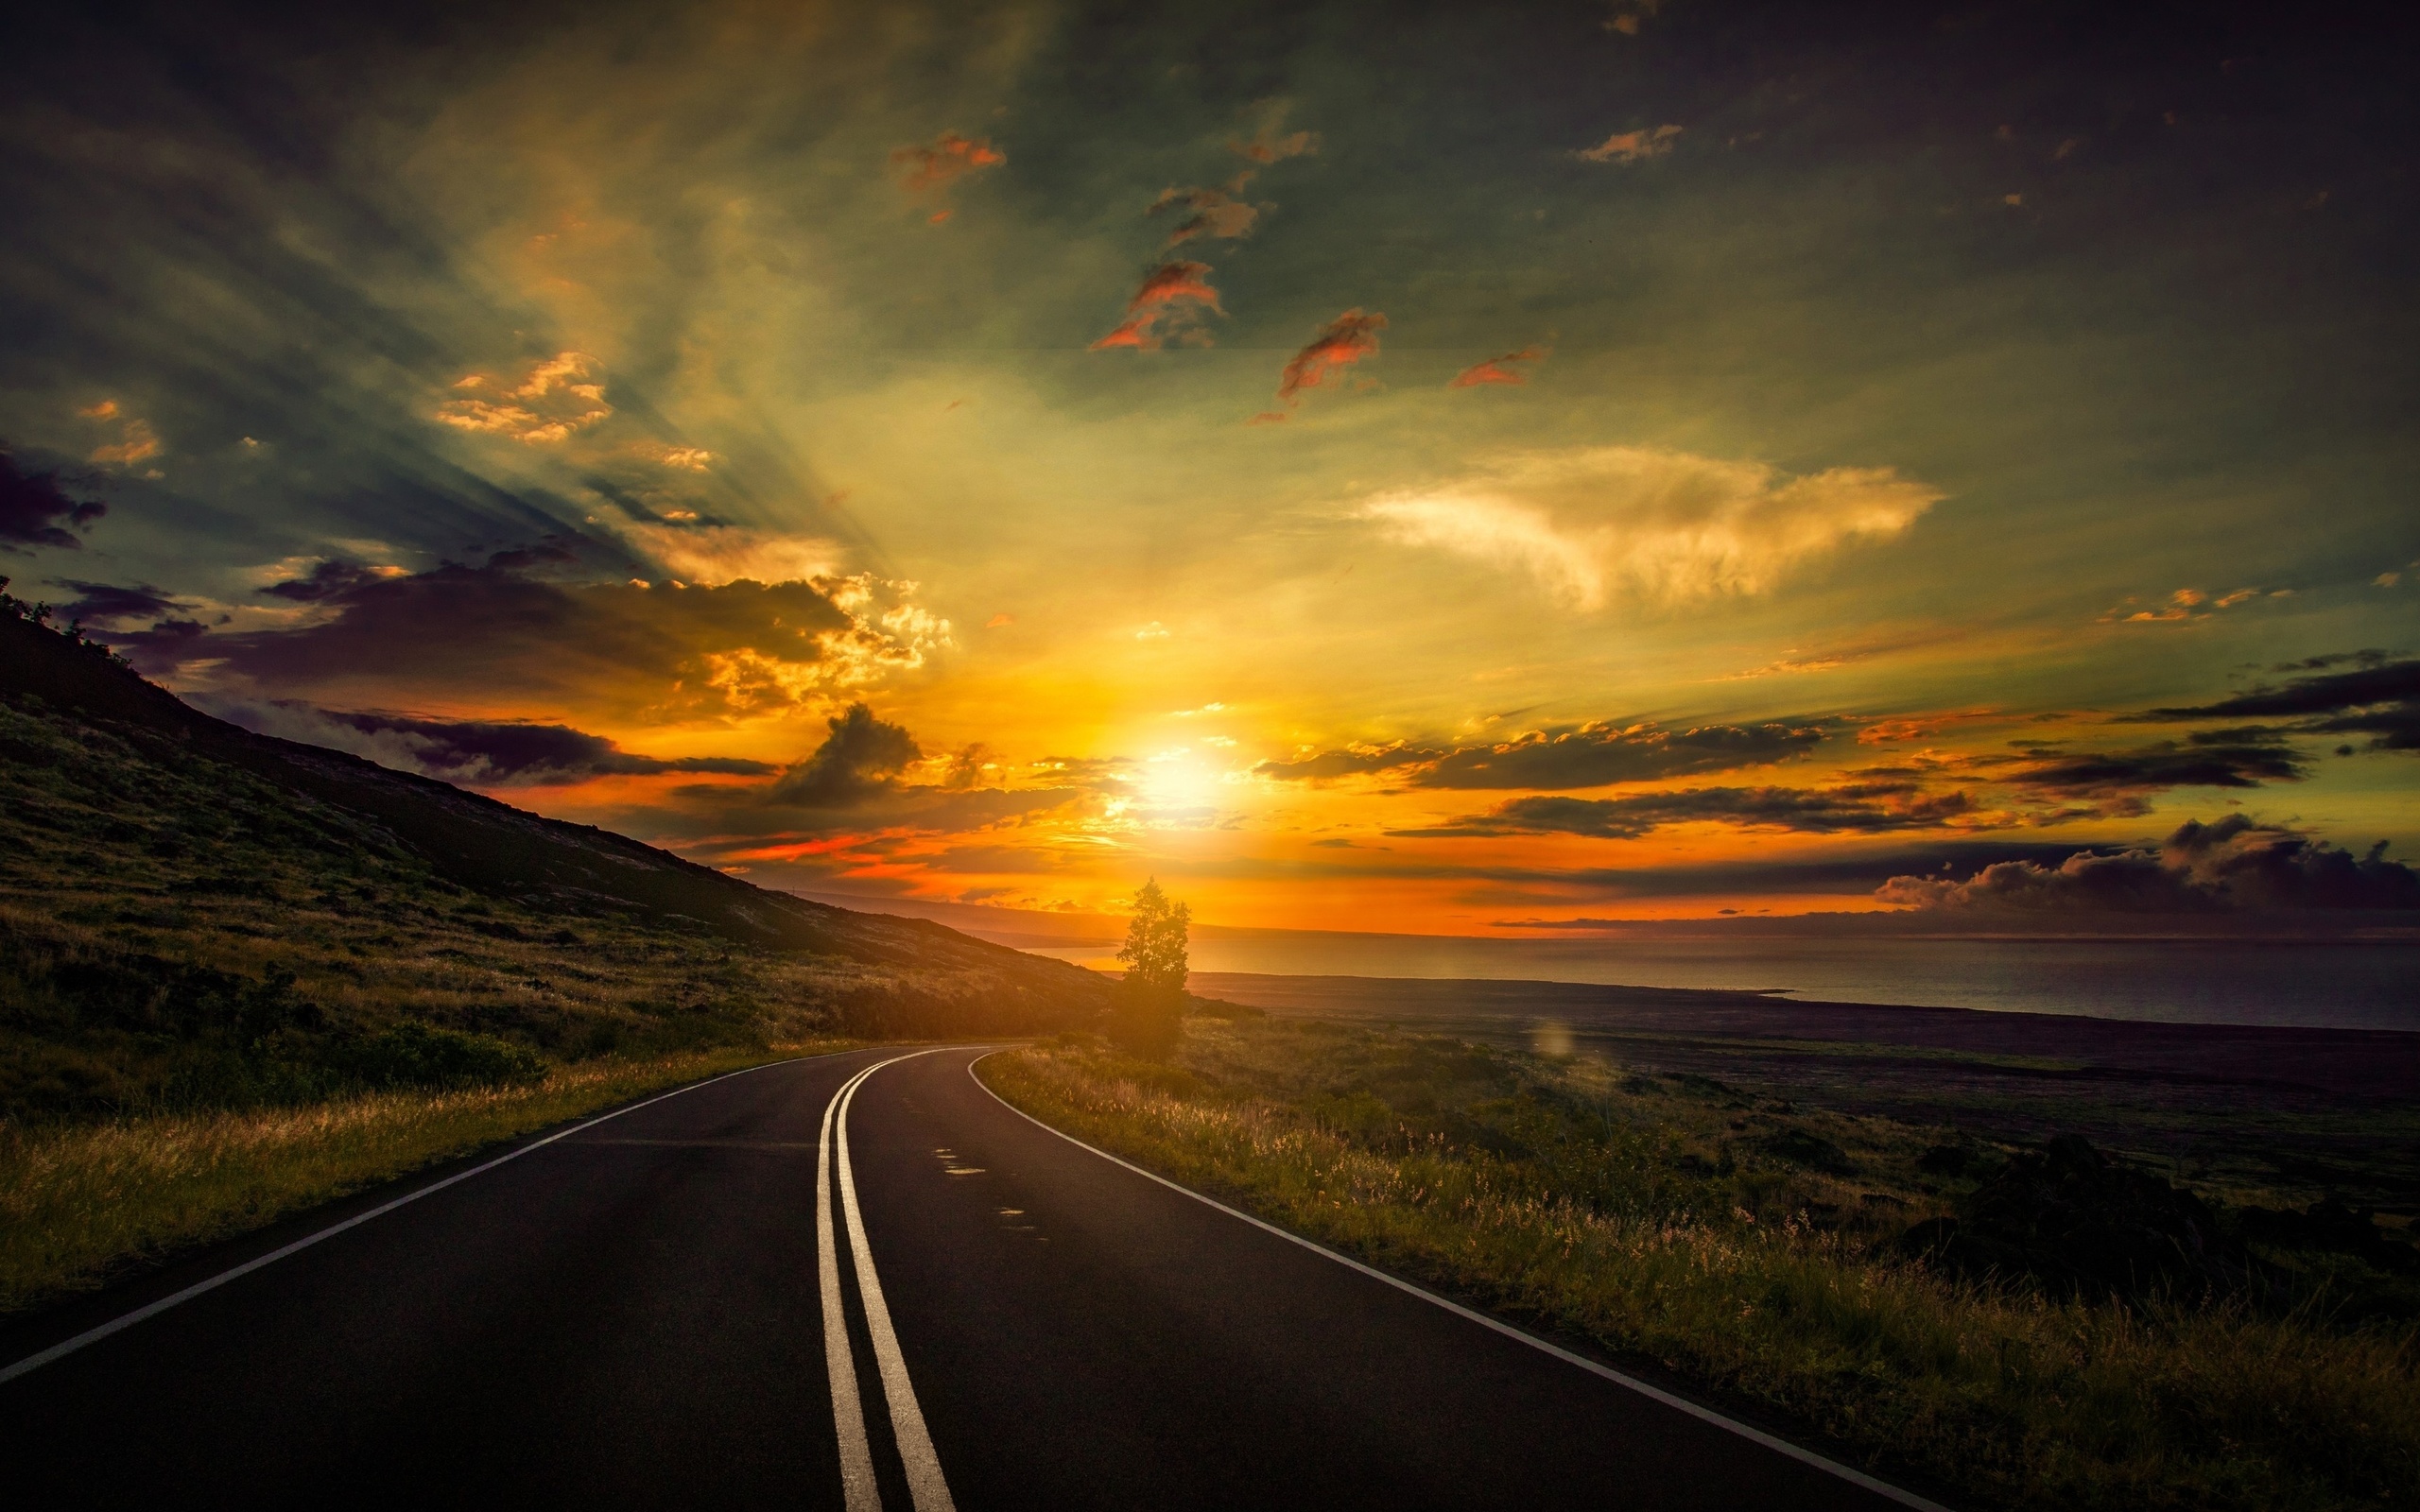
<point x="2357" y="986"/>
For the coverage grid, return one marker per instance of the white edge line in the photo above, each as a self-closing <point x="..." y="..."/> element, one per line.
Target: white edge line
<point x="93" y="1335"/>
<point x="1755" y="1436"/>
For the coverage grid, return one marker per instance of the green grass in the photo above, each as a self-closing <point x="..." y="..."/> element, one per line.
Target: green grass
<point x="82" y="1204"/>
<point x="1693" y="1223"/>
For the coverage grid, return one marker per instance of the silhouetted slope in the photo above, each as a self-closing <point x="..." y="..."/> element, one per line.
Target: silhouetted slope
<point x="540" y="867"/>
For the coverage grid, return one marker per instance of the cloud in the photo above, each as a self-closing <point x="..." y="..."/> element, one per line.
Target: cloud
<point x="2236" y="864"/>
<point x="1270" y="141"/>
<point x="1592" y="755"/>
<point x="1856" y="807"/>
<point x="861" y="758"/>
<point x="1175" y="293"/>
<point x="1212" y="212"/>
<point x="1495" y="369"/>
<point x="497" y="631"/>
<point x="330" y="578"/>
<point x="105" y="601"/>
<point x="138" y="441"/>
<point x="948" y="159"/>
<point x="561" y="396"/>
<point x="2120" y="783"/>
<point x="34" y="511"/>
<point x="713" y="555"/>
<point x="1587" y="521"/>
<point x="478" y="753"/>
<point x="1342" y="342"/>
<point x="2378" y="698"/>
<point x="1625" y="148"/>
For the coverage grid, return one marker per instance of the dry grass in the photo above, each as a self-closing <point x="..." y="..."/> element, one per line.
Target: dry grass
<point x="81" y="1205"/>
<point x="1611" y="1235"/>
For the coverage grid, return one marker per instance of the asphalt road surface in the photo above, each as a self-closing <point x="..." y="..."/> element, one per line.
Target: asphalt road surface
<point x="798" y="1287"/>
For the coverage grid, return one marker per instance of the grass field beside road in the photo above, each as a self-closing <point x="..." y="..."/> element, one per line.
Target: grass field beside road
<point x="1749" y="1246"/>
<point x="82" y="1204"/>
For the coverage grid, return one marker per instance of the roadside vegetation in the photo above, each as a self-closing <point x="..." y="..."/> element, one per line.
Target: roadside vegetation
<point x="2029" y="1326"/>
<point x="81" y="1203"/>
<point x="237" y="978"/>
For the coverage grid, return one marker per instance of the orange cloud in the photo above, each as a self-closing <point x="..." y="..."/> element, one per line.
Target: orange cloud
<point x="1342" y="342"/>
<point x="1174" y="292"/>
<point x="138" y="441"/>
<point x="1631" y="146"/>
<point x="561" y="395"/>
<point x="950" y="157"/>
<point x="1494" y="371"/>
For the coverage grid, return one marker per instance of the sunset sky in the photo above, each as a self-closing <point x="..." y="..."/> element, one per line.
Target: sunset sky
<point x="1462" y="471"/>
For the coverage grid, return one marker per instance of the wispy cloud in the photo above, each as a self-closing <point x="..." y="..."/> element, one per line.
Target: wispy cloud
<point x="926" y="172"/>
<point x="1215" y="214"/>
<point x="1342" y="343"/>
<point x="136" y="440"/>
<point x="1171" y="300"/>
<point x="1665" y="526"/>
<point x="2120" y="783"/>
<point x="1591" y="755"/>
<point x="561" y="396"/>
<point x="1270" y="141"/>
<point x="1625" y="148"/>
<point x="1507" y="369"/>
<point x="1860" y="807"/>
<point x="2377" y="698"/>
<point x="713" y="555"/>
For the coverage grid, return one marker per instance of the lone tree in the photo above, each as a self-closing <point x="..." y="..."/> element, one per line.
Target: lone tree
<point x="1152" y="999"/>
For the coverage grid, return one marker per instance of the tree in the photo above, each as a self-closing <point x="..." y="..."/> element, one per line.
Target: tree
<point x="1150" y="1001"/>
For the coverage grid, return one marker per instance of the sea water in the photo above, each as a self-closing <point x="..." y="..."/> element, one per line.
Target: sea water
<point x="2361" y="985"/>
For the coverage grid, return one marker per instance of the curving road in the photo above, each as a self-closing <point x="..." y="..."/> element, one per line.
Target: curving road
<point x="857" y="1281"/>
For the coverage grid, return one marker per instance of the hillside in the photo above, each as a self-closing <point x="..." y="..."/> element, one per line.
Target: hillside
<point x="194" y="914"/>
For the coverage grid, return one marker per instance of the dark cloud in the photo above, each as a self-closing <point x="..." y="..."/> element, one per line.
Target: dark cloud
<point x="1858" y="807"/>
<point x="1593" y="755"/>
<point x="1341" y="344"/>
<point x="2122" y="781"/>
<point x="2377" y="698"/>
<point x="552" y="552"/>
<point x="107" y="601"/>
<point x="35" y="512"/>
<point x="482" y="753"/>
<point x="494" y="630"/>
<point x="2236" y="864"/>
<point x="325" y="580"/>
<point x="860" y="760"/>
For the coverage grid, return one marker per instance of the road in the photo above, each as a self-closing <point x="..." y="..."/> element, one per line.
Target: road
<point x="635" y="1314"/>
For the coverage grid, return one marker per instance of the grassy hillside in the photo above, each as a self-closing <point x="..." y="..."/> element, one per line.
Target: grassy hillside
<point x="193" y="916"/>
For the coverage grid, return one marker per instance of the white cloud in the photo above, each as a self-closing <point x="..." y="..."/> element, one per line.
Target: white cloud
<point x="711" y="556"/>
<point x="1668" y="526"/>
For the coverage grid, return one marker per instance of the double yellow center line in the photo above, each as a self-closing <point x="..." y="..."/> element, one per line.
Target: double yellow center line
<point x="926" y="1484"/>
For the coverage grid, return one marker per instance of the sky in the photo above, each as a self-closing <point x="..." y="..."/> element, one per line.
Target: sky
<point x="1515" y="471"/>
